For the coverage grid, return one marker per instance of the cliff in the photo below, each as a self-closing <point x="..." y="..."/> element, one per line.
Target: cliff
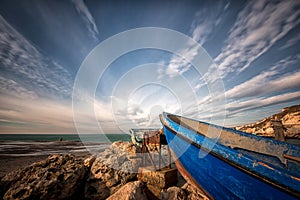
<point x="287" y="120"/>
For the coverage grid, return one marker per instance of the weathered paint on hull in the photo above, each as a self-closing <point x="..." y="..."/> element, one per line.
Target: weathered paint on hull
<point x="224" y="173"/>
<point x="219" y="179"/>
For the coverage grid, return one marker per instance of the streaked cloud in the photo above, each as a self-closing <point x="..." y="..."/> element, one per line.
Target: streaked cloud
<point x="36" y="90"/>
<point x="24" y="66"/>
<point x="268" y="82"/>
<point x="180" y="64"/>
<point x="202" y="27"/>
<point x="47" y="116"/>
<point x="11" y="87"/>
<point x="87" y="17"/>
<point x="39" y="62"/>
<point x="291" y="42"/>
<point x="236" y="107"/>
<point x="206" y="20"/>
<point x="258" y="27"/>
<point x="264" y="85"/>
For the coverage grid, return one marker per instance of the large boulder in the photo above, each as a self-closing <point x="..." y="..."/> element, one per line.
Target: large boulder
<point x="57" y="177"/>
<point x="111" y="169"/>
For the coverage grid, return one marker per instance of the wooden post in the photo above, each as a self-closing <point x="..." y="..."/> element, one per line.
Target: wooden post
<point x="169" y="158"/>
<point x="159" y="154"/>
<point x="144" y="151"/>
<point x="278" y="130"/>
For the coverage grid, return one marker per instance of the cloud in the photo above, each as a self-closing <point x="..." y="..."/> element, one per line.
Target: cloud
<point x="258" y="27"/>
<point x="268" y="82"/>
<point x="179" y="64"/>
<point x="144" y="106"/>
<point x="11" y="87"/>
<point x="204" y="23"/>
<point x="36" y="91"/>
<point x="22" y="114"/>
<point x="291" y="42"/>
<point x="237" y="111"/>
<point x="24" y="66"/>
<point x="264" y="85"/>
<point x="87" y="17"/>
<point x="206" y="20"/>
<point x="241" y="106"/>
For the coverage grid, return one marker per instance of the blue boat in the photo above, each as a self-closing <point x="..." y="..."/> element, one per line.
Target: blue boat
<point x="229" y="164"/>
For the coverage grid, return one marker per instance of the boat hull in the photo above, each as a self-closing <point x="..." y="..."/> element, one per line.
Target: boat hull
<point x="217" y="176"/>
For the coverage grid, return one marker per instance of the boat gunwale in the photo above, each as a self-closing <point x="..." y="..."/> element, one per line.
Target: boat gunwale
<point x="229" y="161"/>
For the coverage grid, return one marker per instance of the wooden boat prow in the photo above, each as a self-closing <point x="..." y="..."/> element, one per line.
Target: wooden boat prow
<point x="254" y="164"/>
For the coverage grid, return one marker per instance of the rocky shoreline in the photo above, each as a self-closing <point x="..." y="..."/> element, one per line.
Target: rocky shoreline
<point x="112" y="174"/>
<point x="287" y="121"/>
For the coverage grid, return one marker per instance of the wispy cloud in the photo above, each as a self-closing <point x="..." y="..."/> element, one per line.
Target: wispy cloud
<point x="87" y="17"/>
<point x="36" y="90"/>
<point x="25" y="66"/>
<point x="270" y="87"/>
<point x="34" y="115"/>
<point x="21" y="115"/>
<point x="291" y="42"/>
<point x="179" y="64"/>
<point x="237" y="110"/>
<point x="206" y="20"/>
<point x="268" y="82"/>
<point x="11" y="87"/>
<point x="263" y="84"/>
<point x="22" y="111"/>
<point x="240" y="106"/>
<point x="258" y="27"/>
<point x="204" y="23"/>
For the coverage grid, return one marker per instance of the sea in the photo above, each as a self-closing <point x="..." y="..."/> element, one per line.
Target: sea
<point x="16" y="145"/>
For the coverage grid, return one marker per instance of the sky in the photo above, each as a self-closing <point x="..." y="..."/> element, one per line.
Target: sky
<point x="108" y="66"/>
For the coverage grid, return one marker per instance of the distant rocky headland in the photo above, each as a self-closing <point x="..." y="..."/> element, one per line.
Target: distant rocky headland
<point x="287" y="121"/>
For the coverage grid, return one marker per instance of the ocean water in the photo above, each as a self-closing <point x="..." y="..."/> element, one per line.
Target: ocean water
<point x="66" y="137"/>
<point x="16" y="145"/>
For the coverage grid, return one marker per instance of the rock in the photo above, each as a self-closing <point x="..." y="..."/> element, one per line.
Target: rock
<point x="186" y="192"/>
<point x="193" y="193"/>
<point x="132" y="190"/>
<point x="173" y="193"/>
<point x="161" y="179"/>
<point x="289" y="118"/>
<point x="96" y="190"/>
<point x="111" y="169"/>
<point x="57" y="177"/>
<point x="157" y="180"/>
<point x="89" y="161"/>
<point x="66" y="177"/>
